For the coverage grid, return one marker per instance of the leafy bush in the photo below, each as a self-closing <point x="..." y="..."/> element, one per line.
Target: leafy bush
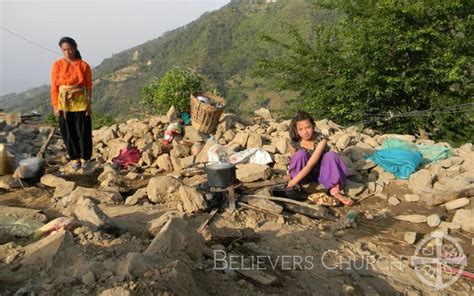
<point x="100" y="120"/>
<point x="401" y="66"/>
<point x="173" y="89"/>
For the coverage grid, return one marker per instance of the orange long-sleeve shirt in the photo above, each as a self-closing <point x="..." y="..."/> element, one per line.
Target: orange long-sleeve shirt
<point x="66" y="73"/>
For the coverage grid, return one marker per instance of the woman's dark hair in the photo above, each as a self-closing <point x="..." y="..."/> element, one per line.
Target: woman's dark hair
<point x="72" y="42"/>
<point x="299" y="116"/>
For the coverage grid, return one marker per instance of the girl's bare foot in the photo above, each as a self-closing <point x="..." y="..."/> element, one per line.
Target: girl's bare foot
<point x="347" y="201"/>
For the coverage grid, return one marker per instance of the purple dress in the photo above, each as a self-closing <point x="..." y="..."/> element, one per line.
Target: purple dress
<point x="329" y="171"/>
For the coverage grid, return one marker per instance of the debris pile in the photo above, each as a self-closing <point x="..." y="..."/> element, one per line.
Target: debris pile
<point x="154" y="225"/>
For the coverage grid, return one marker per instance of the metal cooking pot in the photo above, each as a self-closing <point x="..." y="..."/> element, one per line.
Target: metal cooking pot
<point x="220" y="175"/>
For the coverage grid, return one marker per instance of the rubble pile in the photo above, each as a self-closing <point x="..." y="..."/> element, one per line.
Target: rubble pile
<point x="154" y="226"/>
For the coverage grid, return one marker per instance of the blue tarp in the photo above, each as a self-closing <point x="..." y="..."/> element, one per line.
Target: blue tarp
<point x="431" y="153"/>
<point x="400" y="162"/>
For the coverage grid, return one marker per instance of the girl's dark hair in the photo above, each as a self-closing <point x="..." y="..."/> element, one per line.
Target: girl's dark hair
<point x="299" y="116"/>
<point x="72" y="42"/>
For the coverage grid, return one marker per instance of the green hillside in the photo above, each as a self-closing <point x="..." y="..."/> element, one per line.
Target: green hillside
<point x="222" y="46"/>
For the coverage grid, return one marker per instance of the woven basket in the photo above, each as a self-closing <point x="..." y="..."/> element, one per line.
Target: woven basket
<point x="205" y="117"/>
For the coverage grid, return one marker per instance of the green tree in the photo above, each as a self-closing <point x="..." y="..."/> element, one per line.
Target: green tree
<point x="173" y="89"/>
<point x="391" y="58"/>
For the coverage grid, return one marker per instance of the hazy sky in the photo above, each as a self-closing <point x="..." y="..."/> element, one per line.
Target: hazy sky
<point x="101" y="28"/>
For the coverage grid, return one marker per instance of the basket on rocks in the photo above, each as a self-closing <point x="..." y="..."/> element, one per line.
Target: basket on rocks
<point x="205" y="117"/>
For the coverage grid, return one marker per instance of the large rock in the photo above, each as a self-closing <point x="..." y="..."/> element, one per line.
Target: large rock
<point x="421" y="181"/>
<point x="281" y="144"/>
<point x="353" y="188"/>
<point x="63" y="187"/>
<point x="107" y="196"/>
<point x="226" y="122"/>
<point x="464" y="217"/>
<point x="264" y="113"/>
<point x="138" y="128"/>
<point x="176" y="240"/>
<point x="343" y="142"/>
<point x="202" y="157"/>
<point x="251" y="172"/>
<point x="49" y="250"/>
<point x="164" y="162"/>
<point x="254" y="141"/>
<point x="161" y="189"/>
<point x="90" y="215"/>
<point x="192" y="200"/>
<point x="138" y="196"/>
<point x="17" y="213"/>
<point x="241" y="139"/>
<point x="155" y="225"/>
<point x="190" y="134"/>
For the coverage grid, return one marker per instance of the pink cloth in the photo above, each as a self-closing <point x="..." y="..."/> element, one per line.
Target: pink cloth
<point x="127" y="157"/>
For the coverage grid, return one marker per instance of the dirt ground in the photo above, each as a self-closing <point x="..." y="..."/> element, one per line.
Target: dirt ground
<point x="371" y="257"/>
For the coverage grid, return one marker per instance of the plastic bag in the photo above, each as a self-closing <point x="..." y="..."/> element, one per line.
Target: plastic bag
<point x="251" y="155"/>
<point x="219" y="153"/>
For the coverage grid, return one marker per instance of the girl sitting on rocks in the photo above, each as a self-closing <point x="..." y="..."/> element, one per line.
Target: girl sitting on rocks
<point x="311" y="160"/>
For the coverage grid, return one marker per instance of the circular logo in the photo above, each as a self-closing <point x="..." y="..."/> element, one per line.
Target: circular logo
<point x="439" y="260"/>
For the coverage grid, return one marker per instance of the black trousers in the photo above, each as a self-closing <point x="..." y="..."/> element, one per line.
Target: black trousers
<point x="76" y="130"/>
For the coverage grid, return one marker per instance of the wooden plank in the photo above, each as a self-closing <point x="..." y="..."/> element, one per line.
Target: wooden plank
<point x="42" y="151"/>
<point x="244" y="205"/>
<point x="209" y="218"/>
<point x="266" y="183"/>
<point x="318" y="211"/>
<point x="231" y="198"/>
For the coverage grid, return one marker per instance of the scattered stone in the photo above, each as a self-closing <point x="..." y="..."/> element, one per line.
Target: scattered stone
<point x="139" y="195"/>
<point x="433" y="220"/>
<point x="412" y="197"/>
<point x="421" y="181"/>
<point x="343" y="142"/>
<point x="410" y="237"/>
<point x="89" y="278"/>
<point x="412" y="218"/>
<point x="464" y="218"/>
<point x="393" y="201"/>
<point x="457" y="203"/>
<point x="326" y="235"/>
<point x="118" y="291"/>
<point x="354" y="188"/>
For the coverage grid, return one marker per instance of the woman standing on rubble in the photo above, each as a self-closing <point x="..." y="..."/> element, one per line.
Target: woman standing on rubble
<point x="311" y="160"/>
<point x="71" y="93"/>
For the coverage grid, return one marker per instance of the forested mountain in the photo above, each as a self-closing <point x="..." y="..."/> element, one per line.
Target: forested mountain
<point x="222" y="46"/>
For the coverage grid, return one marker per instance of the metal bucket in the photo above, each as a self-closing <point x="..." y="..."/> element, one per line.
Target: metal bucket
<point x="6" y="161"/>
<point x="31" y="168"/>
